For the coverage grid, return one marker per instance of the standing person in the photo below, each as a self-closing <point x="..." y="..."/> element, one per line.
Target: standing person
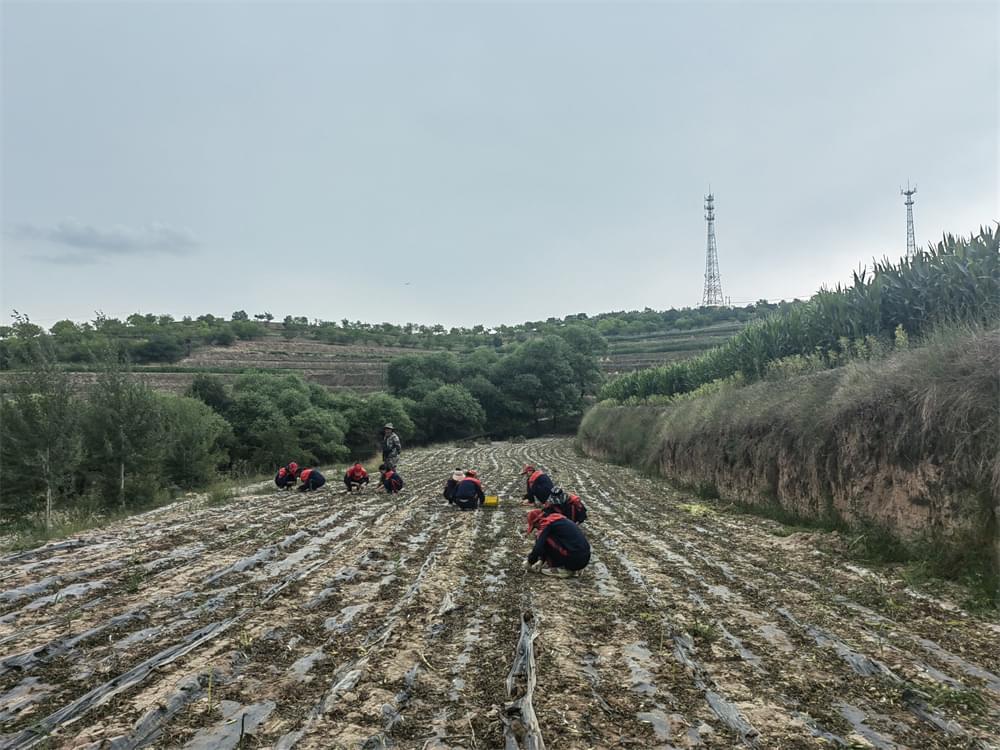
<point x="311" y="480"/>
<point x="356" y="477"/>
<point x="391" y="447"/>
<point x="560" y="549"/>
<point x="469" y="493"/>
<point x="568" y="504"/>
<point x="453" y="481"/>
<point x="539" y="485"/>
<point x="391" y="481"/>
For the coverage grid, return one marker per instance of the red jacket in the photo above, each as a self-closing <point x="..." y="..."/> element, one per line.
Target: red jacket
<point x="356" y="473"/>
<point x="575" y="509"/>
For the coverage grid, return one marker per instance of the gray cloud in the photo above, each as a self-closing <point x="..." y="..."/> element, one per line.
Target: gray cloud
<point x="83" y="243"/>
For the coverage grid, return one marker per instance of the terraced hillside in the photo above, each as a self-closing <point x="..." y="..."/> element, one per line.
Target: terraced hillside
<point x="328" y="621"/>
<point x="630" y="353"/>
<point x="337" y="367"/>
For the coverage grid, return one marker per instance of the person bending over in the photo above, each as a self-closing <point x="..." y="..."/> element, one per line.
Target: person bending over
<point x="311" y="480"/>
<point x="453" y="481"/>
<point x="539" y="485"/>
<point x="284" y="479"/>
<point x="469" y="493"/>
<point x="560" y="549"/>
<point x="390" y="479"/>
<point x="568" y="504"/>
<point x="356" y="477"/>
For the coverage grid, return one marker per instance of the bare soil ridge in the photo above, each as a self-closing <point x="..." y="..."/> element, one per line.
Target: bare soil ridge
<point x="319" y="621"/>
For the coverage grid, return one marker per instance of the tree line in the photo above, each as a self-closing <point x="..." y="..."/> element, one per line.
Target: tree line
<point x="118" y="445"/>
<point x="162" y="339"/>
<point x="502" y="392"/>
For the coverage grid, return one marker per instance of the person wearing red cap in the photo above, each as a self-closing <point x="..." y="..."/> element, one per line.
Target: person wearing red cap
<point x="469" y="493"/>
<point x="539" y="485"/>
<point x="311" y="480"/>
<point x="283" y="479"/>
<point x="286" y="476"/>
<point x="560" y="548"/>
<point x="390" y="480"/>
<point x="355" y="477"/>
<point x="568" y="504"/>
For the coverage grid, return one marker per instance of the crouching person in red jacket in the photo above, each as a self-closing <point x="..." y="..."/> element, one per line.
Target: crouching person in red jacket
<point x="568" y="504"/>
<point x="391" y="481"/>
<point x="311" y="480"/>
<point x="356" y="477"/>
<point x="469" y="493"/>
<point x="561" y="549"/>
<point x="286" y="476"/>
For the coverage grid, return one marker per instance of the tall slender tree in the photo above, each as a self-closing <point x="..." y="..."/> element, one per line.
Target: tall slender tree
<point x="124" y="430"/>
<point x="40" y="443"/>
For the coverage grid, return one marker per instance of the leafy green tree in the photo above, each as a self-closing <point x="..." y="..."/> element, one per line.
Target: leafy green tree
<point x="586" y="345"/>
<point x="123" y="429"/>
<point x="212" y="391"/>
<point x="450" y="411"/>
<point x="366" y="418"/>
<point x="159" y="347"/>
<point x="538" y="374"/>
<point x="320" y="434"/>
<point x="264" y="436"/>
<point x="247" y="329"/>
<point x="41" y="443"/>
<point x="196" y="441"/>
<point x="417" y="375"/>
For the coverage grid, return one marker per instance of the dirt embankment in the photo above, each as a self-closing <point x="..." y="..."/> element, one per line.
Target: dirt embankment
<point x="908" y="445"/>
<point x="322" y="621"/>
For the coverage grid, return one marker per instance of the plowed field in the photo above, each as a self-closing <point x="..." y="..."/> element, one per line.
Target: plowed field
<point x="327" y="621"/>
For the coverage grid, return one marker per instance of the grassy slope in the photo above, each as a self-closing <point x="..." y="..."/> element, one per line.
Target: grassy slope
<point x="906" y="445"/>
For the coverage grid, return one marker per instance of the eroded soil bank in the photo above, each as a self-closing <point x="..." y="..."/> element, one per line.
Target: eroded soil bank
<point x="908" y="445"/>
<point x="328" y="621"/>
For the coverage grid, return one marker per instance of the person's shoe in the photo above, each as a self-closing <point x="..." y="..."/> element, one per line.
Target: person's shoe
<point x="557" y="572"/>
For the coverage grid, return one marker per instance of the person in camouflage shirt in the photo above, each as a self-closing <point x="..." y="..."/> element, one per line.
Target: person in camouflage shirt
<point x="391" y="447"/>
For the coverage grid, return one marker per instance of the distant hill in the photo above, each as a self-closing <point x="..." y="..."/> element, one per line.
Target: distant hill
<point x="354" y="355"/>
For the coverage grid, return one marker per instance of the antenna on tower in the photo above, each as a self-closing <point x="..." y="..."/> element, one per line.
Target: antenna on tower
<point x="911" y="241"/>
<point x="713" y="281"/>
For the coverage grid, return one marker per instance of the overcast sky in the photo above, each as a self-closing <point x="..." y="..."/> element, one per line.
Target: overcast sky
<point x="479" y="163"/>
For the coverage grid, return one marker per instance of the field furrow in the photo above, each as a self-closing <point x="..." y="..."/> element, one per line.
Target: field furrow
<point x="364" y="621"/>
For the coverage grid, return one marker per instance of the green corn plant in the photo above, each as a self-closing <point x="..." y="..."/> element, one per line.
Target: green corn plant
<point x="958" y="279"/>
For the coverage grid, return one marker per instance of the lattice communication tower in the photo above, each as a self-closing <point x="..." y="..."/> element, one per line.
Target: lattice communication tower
<point x="911" y="240"/>
<point x="713" y="281"/>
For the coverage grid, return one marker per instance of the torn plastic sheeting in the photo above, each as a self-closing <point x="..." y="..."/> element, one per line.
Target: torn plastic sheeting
<point x="721" y="707"/>
<point x="239" y="721"/>
<point x="52" y="649"/>
<point x="74" y="590"/>
<point x="69" y="713"/>
<point x="291" y="539"/>
<point x="30" y="589"/>
<point x="258" y="558"/>
<point x="521" y="730"/>
<point x="27" y="692"/>
<point x="68" y="544"/>
<point x="148" y="728"/>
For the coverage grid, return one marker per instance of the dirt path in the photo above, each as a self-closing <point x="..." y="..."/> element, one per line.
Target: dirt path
<point x="315" y="621"/>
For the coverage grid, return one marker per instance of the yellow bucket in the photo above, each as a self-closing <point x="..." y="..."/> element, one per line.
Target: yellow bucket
<point x="491" y="500"/>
